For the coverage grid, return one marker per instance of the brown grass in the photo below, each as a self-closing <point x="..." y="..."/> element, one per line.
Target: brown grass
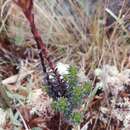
<point x="71" y="36"/>
<point x="77" y="39"/>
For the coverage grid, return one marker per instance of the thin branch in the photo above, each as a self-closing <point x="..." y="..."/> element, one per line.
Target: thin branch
<point x="59" y="86"/>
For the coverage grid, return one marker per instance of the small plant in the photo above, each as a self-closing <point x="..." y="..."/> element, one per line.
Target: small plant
<point x="74" y="97"/>
<point x="76" y="117"/>
<point x="61" y="105"/>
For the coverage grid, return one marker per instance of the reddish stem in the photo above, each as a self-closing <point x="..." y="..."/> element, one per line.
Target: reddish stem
<point x="27" y="10"/>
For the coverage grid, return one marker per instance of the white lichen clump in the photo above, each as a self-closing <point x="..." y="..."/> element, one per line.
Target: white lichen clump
<point x="109" y="79"/>
<point x="62" y="68"/>
<point x="113" y="82"/>
<point x="40" y="103"/>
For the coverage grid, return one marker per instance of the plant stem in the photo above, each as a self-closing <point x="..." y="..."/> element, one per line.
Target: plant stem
<point x="27" y="7"/>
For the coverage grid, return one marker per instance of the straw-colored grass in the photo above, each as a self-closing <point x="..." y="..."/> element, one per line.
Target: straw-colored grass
<point x="73" y="33"/>
<point x="77" y="38"/>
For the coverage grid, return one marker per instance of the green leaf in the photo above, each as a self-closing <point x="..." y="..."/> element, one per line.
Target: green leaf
<point x="61" y="105"/>
<point x="76" y="117"/>
<point x="73" y="71"/>
<point x="87" y="88"/>
<point x="77" y="91"/>
<point x="77" y="96"/>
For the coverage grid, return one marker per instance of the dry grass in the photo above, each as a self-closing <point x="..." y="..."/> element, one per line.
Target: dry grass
<point x="71" y="36"/>
<point x="77" y="38"/>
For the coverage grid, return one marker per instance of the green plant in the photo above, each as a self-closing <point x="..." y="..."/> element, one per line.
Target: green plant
<point x="76" y="117"/>
<point x="60" y="105"/>
<point x="74" y="97"/>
